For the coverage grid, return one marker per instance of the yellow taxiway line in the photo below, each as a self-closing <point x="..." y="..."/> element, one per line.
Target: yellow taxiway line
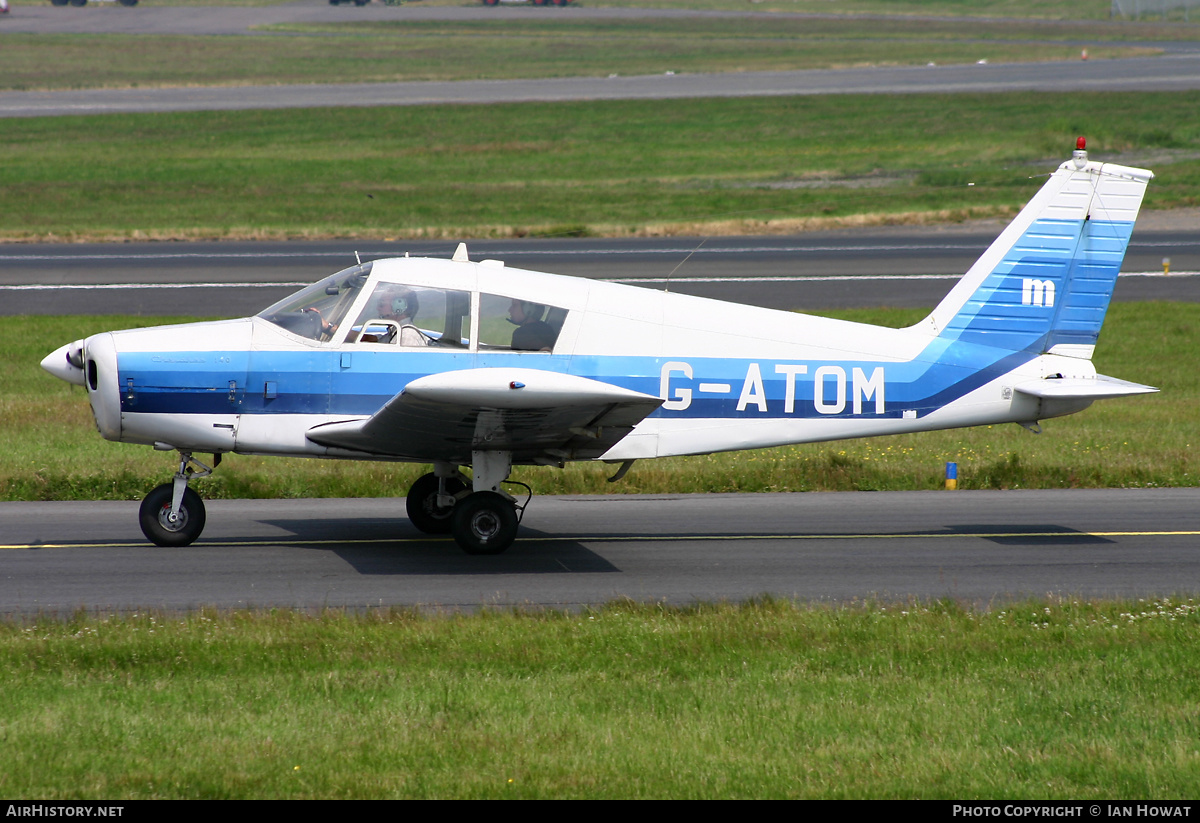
<point x="283" y="541"/>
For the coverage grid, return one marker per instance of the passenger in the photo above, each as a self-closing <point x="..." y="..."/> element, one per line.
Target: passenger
<point x="532" y="333"/>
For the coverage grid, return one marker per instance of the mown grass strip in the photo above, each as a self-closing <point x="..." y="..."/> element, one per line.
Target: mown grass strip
<point x="1034" y="9"/>
<point x="54" y="453"/>
<point x="1038" y="699"/>
<point x="991" y="9"/>
<point x="416" y="51"/>
<point x="621" y="167"/>
<point x="549" y="45"/>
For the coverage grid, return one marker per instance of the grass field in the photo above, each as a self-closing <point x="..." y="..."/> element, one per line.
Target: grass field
<point x="622" y="167"/>
<point x="1037" y="9"/>
<point x="420" y="51"/>
<point x="1036" y="700"/>
<point x="547" y="46"/>
<point x="54" y="453"/>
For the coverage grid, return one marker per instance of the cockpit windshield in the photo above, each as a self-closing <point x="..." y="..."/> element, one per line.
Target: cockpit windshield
<point x="316" y="311"/>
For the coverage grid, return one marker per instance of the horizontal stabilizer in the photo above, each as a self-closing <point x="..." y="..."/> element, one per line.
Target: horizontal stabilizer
<point x="1083" y="388"/>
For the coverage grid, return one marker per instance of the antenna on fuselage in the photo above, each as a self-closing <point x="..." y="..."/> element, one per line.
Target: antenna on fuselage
<point x="357" y="258"/>
<point x="684" y="260"/>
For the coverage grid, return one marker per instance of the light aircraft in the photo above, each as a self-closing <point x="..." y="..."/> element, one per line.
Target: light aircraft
<point x="459" y="363"/>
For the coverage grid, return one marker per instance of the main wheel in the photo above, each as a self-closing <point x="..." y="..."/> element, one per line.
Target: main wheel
<point x="423" y="508"/>
<point x="484" y="523"/>
<point x="156" y="522"/>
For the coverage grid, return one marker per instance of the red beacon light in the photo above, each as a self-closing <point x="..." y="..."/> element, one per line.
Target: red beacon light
<point x="1079" y="158"/>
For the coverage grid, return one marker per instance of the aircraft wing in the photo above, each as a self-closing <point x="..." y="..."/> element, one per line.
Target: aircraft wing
<point x="1083" y="388"/>
<point x="539" y="416"/>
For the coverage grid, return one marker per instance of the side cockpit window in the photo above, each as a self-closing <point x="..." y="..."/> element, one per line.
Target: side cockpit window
<point x="316" y="312"/>
<point x="508" y="323"/>
<point x="413" y="316"/>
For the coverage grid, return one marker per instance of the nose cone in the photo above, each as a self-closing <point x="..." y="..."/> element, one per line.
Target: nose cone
<point x="66" y="363"/>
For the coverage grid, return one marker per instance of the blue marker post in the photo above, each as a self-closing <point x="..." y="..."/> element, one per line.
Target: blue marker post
<point x="951" y="476"/>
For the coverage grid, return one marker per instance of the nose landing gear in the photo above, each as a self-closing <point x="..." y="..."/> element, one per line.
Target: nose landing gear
<point x="173" y="514"/>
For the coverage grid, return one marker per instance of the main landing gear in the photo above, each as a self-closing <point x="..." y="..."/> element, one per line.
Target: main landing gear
<point x="173" y="514"/>
<point x="481" y="516"/>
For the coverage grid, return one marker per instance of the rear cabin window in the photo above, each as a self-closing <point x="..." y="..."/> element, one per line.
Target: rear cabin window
<point x="510" y="324"/>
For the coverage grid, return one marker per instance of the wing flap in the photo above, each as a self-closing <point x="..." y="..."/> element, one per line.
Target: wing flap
<point x="539" y="416"/>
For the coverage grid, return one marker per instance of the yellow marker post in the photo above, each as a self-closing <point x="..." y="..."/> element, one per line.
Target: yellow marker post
<point x="951" y="476"/>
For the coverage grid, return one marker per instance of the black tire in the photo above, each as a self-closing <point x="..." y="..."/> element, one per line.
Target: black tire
<point x="58" y="2"/>
<point x="484" y="523"/>
<point x="423" y="510"/>
<point x="128" y="2"/>
<point x="153" y="517"/>
<point x="78" y="2"/>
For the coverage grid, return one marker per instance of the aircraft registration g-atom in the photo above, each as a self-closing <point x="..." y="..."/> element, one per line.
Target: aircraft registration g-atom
<point x="414" y="359"/>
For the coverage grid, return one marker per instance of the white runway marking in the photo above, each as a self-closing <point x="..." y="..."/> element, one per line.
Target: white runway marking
<point x="858" y="278"/>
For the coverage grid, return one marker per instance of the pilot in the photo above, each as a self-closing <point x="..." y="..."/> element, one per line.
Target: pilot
<point x="400" y="305"/>
<point x="532" y="332"/>
<point x="326" y="329"/>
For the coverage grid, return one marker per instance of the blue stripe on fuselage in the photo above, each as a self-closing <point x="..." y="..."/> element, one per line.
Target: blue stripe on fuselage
<point x="328" y="382"/>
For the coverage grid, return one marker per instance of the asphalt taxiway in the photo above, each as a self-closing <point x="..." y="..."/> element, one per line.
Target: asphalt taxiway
<point x="912" y="267"/>
<point x="979" y="547"/>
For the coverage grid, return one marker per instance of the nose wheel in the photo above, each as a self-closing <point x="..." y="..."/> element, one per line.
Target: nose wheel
<point x="163" y="527"/>
<point x="173" y="514"/>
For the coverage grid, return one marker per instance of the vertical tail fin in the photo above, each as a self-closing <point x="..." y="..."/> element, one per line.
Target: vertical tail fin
<point x="1044" y="285"/>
